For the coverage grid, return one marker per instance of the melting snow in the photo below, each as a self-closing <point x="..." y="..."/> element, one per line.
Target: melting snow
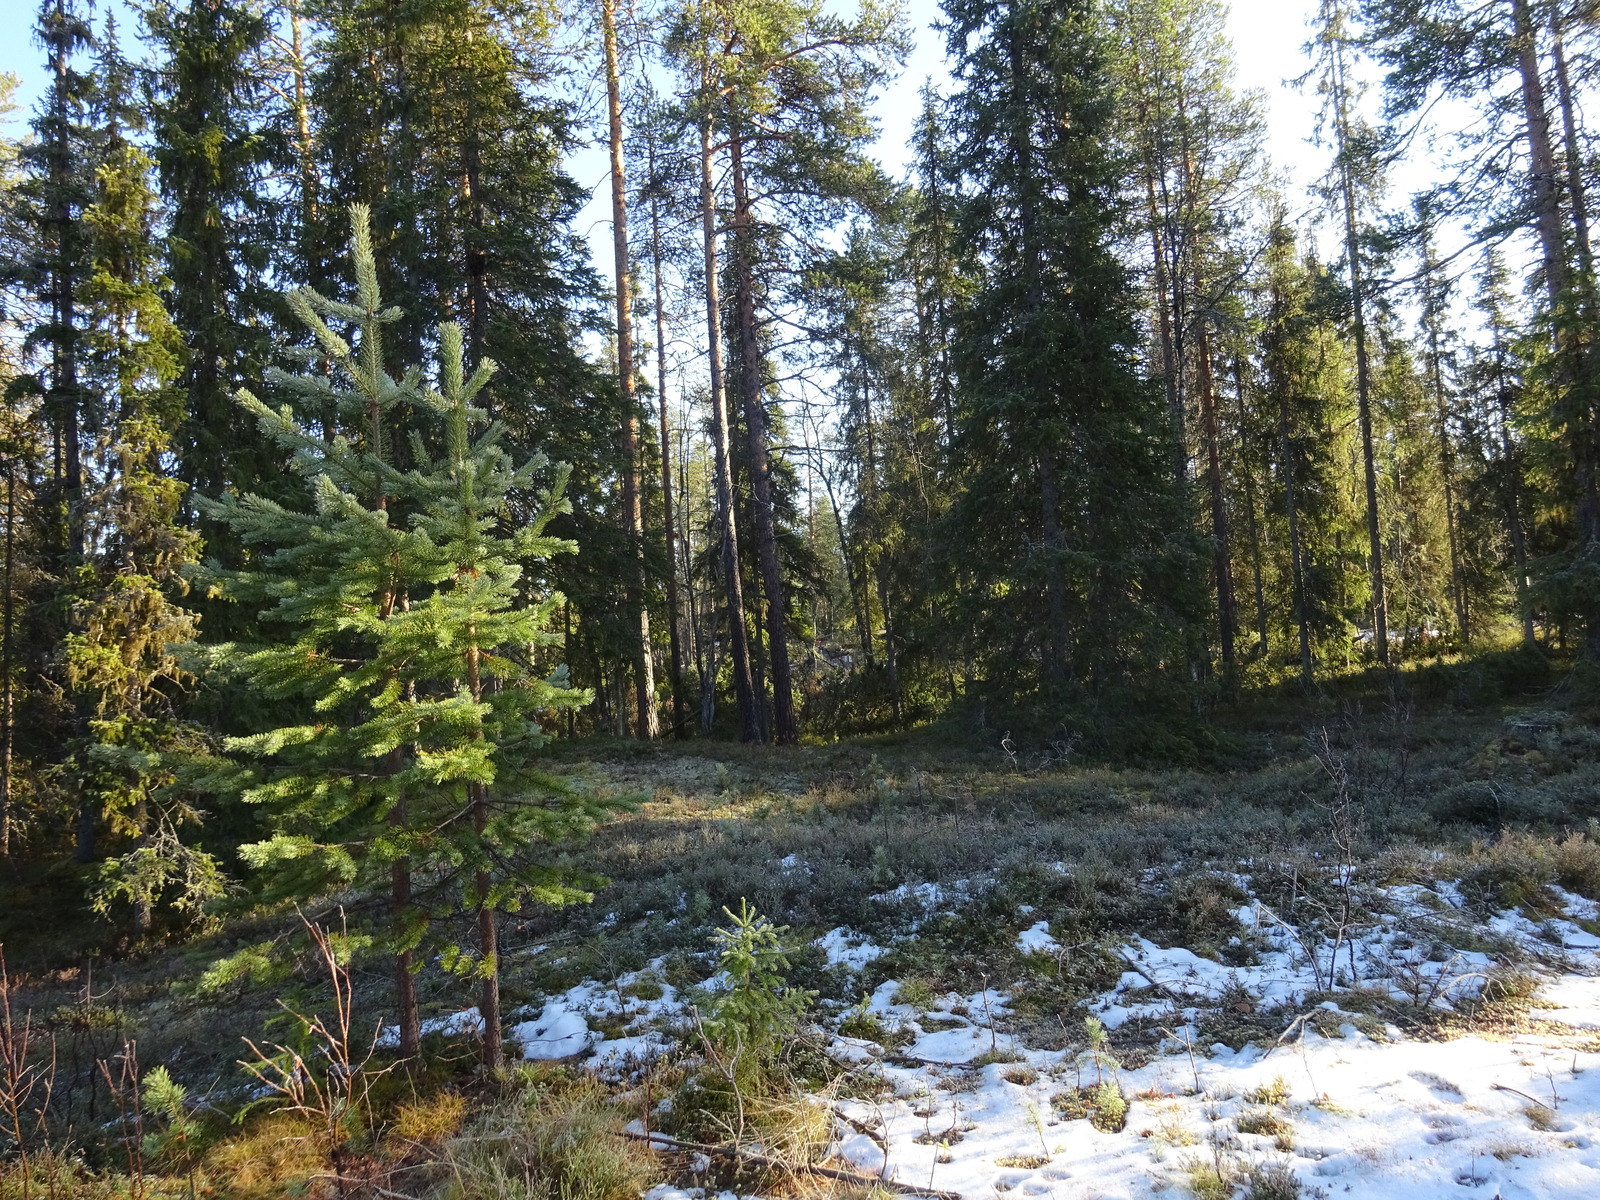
<point x="466" y="1023"/>
<point x="560" y="1031"/>
<point x="1036" y="939"/>
<point x="1371" y="1120"/>
<point x="848" y="949"/>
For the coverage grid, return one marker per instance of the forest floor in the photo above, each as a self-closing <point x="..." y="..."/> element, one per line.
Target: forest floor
<point x="1359" y="955"/>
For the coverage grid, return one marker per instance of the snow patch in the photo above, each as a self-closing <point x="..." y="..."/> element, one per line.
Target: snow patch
<point x="847" y="949"/>
<point x="1036" y="939"/>
<point x="466" y="1023"/>
<point x="559" y="1031"/>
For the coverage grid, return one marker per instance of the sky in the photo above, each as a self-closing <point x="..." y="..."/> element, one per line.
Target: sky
<point x="1267" y="37"/>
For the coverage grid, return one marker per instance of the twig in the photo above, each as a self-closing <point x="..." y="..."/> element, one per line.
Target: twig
<point x="1500" y="1087"/>
<point x="660" y="1141"/>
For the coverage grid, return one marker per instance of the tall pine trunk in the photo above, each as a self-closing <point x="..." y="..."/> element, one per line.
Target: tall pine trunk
<point x="1296" y="549"/>
<point x="65" y="398"/>
<point x="1570" y="369"/>
<point x="738" y="639"/>
<point x="1352" y="243"/>
<point x="1252" y="524"/>
<point x="7" y="683"/>
<point x="1458" y="589"/>
<point x="1577" y="193"/>
<point x="668" y="524"/>
<point x="646" y="725"/>
<point x="752" y="393"/>
<point x="1227" y="604"/>
<point x="1169" y="357"/>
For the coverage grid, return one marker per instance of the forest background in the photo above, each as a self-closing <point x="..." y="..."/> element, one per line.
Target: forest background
<point x="1082" y="425"/>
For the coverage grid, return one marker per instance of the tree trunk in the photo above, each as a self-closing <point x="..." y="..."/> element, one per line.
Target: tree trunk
<point x="1572" y="356"/>
<point x="1250" y="514"/>
<point x="407" y="1013"/>
<point x="738" y="644"/>
<point x="1169" y="358"/>
<point x="488" y="930"/>
<point x="863" y="619"/>
<point x="1227" y="605"/>
<point x="1512" y="455"/>
<point x="668" y="524"/>
<point x="303" y="146"/>
<point x="644" y="684"/>
<point x="1458" y="592"/>
<point x="1296" y="554"/>
<point x="1577" y="193"/>
<point x="1352" y="242"/>
<point x="7" y="684"/>
<point x="752" y="392"/>
<point x="1541" y="156"/>
<point x="1580" y="419"/>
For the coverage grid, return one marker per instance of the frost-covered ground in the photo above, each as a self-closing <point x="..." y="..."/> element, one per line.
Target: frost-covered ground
<point x="1339" y="1099"/>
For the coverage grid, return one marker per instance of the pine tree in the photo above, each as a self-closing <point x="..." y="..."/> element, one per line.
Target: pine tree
<point x="441" y="116"/>
<point x="1193" y="143"/>
<point x="60" y="165"/>
<point x="411" y="643"/>
<point x="646" y="723"/>
<point x="789" y="84"/>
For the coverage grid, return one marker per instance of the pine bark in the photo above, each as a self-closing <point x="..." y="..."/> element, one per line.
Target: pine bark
<point x="668" y="524"/>
<point x="7" y="683"/>
<point x="1352" y="242"/>
<point x="738" y="641"/>
<point x="752" y="393"/>
<point x="646" y="725"/>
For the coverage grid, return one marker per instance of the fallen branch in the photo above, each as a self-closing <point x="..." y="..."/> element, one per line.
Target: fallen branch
<point x="900" y="1060"/>
<point x="1154" y="982"/>
<point x="661" y="1141"/>
<point x="864" y="1130"/>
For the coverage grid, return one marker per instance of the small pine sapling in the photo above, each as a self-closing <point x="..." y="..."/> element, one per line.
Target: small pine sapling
<point x="758" y="1009"/>
<point x="177" y="1141"/>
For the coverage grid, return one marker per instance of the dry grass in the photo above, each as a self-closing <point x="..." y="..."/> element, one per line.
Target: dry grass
<point x="555" y="1138"/>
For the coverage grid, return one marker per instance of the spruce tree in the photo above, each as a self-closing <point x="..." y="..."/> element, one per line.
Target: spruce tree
<point x="1054" y="427"/>
<point x="412" y="641"/>
<point x="211" y="159"/>
<point x="1353" y="178"/>
<point x="126" y="622"/>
